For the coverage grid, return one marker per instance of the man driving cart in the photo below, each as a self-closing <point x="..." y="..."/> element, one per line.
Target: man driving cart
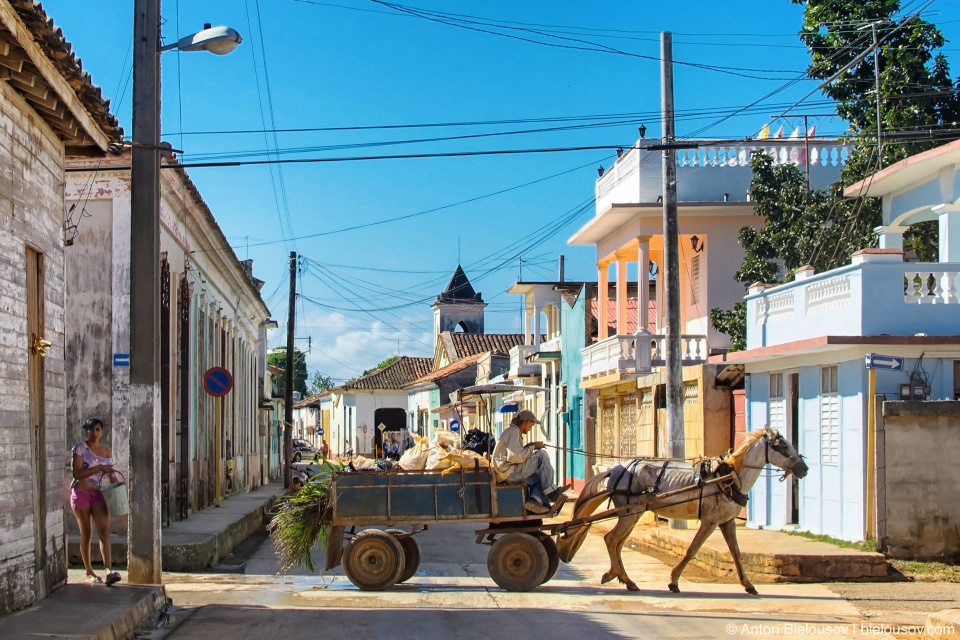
<point x="516" y="462"/>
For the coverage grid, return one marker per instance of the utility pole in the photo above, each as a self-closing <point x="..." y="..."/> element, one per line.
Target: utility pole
<point x="143" y="526"/>
<point x="671" y="252"/>
<point x="289" y="377"/>
<point x="876" y="77"/>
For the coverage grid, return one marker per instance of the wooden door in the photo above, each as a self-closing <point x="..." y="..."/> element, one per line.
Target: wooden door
<point x="35" y="376"/>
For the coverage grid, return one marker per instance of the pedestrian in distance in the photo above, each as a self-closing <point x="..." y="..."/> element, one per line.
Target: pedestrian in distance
<point x="91" y="462"/>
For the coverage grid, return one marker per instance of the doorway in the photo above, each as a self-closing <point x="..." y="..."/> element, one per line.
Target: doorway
<point x="37" y="400"/>
<point x="793" y="435"/>
<point x="392" y="420"/>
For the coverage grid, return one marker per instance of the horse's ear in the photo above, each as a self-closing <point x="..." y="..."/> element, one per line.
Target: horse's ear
<point x="771" y="433"/>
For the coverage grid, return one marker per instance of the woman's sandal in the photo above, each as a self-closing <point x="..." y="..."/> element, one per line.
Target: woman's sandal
<point x="112" y="578"/>
<point x="94" y="579"/>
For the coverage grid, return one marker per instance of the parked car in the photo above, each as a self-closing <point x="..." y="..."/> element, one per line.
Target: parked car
<point x="302" y="449"/>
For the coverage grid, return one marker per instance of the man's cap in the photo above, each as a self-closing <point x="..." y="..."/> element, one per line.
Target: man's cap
<point x="525" y="416"/>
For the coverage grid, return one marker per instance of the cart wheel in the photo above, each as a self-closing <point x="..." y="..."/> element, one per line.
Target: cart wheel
<point x="518" y="562"/>
<point x="373" y="560"/>
<point x="411" y="553"/>
<point x="553" y="558"/>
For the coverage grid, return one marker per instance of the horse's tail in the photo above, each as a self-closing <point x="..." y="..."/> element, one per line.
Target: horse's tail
<point x="570" y="541"/>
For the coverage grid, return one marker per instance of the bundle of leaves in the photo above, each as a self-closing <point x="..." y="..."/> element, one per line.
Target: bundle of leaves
<point x="303" y="520"/>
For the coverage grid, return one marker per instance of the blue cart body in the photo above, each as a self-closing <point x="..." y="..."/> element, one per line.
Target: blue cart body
<point x="425" y="497"/>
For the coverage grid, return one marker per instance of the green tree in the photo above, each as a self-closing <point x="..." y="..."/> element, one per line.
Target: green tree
<point x="823" y="228"/>
<point x="320" y="382"/>
<point x="383" y="364"/>
<point x="278" y="358"/>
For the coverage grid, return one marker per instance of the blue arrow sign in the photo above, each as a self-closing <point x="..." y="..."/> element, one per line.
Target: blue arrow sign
<point x="886" y="363"/>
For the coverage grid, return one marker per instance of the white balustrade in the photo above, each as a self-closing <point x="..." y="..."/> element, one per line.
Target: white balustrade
<point x="930" y="287"/>
<point x="637" y="353"/>
<point x="775" y="308"/>
<point x="824" y="295"/>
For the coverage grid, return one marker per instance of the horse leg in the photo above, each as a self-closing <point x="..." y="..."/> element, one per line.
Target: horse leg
<point x="706" y="528"/>
<point x="615" y="540"/>
<point x="729" y="531"/>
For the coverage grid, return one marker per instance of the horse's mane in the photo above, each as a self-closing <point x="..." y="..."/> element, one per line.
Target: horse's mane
<point x="736" y="458"/>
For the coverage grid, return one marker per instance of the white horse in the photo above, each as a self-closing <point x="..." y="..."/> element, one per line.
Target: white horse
<point x="715" y="504"/>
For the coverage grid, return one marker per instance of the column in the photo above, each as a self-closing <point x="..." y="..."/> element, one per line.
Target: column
<point x="602" y="294"/>
<point x="643" y="283"/>
<point x="536" y="330"/>
<point x="621" y="293"/>
<point x="949" y="236"/>
<point x="891" y="237"/>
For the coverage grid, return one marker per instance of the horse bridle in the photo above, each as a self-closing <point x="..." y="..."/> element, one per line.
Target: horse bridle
<point x="779" y="445"/>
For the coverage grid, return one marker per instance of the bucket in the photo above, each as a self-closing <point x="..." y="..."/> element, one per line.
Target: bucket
<point x="115" y="495"/>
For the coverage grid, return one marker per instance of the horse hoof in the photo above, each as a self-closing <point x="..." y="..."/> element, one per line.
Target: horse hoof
<point x="607" y="577"/>
<point x="674" y="588"/>
<point x="752" y="591"/>
<point x="632" y="586"/>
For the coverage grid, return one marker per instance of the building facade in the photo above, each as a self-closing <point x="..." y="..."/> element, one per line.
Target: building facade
<point x="211" y="315"/>
<point x="49" y="109"/>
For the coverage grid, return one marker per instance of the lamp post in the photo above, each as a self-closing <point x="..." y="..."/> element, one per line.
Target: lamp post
<point x="143" y="527"/>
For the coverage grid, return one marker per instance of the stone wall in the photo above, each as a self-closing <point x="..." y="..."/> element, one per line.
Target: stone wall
<point x="918" y="478"/>
<point x="32" y="460"/>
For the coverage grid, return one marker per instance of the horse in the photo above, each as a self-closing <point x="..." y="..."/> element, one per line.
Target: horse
<point x="715" y="504"/>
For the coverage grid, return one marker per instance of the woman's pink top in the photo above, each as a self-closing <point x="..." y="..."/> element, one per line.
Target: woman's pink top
<point x="90" y="459"/>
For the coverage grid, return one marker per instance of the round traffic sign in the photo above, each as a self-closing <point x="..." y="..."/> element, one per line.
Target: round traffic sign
<point x="217" y="381"/>
<point x="454" y="426"/>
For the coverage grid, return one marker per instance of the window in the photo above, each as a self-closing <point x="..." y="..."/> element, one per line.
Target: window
<point x="777" y="404"/>
<point x="696" y="280"/>
<point x="829" y="417"/>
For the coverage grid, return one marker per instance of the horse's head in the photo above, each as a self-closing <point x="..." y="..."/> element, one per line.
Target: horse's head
<point x="780" y="453"/>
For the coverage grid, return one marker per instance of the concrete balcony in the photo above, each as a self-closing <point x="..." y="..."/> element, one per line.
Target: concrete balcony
<point x="716" y="172"/>
<point x="876" y="295"/>
<point x="519" y="366"/>
<point x="637" y="353"/>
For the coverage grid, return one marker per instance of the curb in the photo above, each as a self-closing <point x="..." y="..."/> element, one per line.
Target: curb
<point x="943" y="625"/>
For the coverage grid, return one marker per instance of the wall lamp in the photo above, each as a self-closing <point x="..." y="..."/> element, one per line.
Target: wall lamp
<point x="643" y="131"/>
<point x="696" y="244"/>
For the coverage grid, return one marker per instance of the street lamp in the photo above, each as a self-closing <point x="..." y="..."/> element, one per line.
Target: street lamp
<point x="143" y="528"/>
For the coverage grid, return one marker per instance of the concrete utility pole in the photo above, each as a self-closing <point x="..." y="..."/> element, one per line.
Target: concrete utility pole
<point x="671" y="253"/>
<point x="143" y="526"/>
<point x="288" y="386"/>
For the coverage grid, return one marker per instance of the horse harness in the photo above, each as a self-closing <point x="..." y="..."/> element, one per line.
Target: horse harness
<point x="703" y="470"/>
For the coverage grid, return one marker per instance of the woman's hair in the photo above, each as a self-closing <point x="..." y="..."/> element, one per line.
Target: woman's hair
<point x="90" y="423"/>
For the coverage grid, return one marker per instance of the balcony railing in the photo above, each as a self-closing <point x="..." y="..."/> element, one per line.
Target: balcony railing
<point x="877" y="295"/>
<point x="635" y="176"/>
<point x="637" y="353"/>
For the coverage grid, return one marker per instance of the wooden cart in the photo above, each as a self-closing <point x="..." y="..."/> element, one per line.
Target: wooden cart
<point x="522" y="555"/>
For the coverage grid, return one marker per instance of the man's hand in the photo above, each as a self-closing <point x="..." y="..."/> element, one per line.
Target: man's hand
<point x="538" y="444"/>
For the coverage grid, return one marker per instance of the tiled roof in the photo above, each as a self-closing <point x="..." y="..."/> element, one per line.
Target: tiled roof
<point x="393" y="376"/>
<point x="450" y="369"/>
<point x="52" y="42"/>
<point x="469" y="344"/>
<point x="311" y="400"/>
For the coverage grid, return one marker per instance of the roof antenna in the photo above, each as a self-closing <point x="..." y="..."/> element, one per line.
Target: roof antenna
<point x="458" y="250"/>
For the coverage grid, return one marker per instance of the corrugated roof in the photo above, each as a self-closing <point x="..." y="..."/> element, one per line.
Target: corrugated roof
<point x="450" y="369"/>
<point x="393" y="376"/>
<point x="632" y="305"/>
<point x="51" y="40"/>
<point x="469" y="344"/>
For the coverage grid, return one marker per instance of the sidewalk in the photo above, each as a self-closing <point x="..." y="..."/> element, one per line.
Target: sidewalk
<point x="202" y="540"/>
<point x="768" y="556"/>
<point x="87" y="611"/>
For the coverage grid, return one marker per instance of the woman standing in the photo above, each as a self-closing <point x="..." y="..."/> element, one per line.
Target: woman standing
<point x="91" y="460"/>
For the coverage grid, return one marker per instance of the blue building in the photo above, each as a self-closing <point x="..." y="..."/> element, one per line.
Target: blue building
<point x="807" y="341"/>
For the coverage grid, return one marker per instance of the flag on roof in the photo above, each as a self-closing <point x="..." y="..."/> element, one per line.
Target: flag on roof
<point x="765" y="132"/>
<point x="779" y="133"/>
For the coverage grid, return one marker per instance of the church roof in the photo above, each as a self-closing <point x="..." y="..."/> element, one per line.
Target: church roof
<point x="459" y="289"/>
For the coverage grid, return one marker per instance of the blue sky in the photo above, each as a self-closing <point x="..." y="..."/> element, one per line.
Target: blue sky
<point x="357" y="63"/>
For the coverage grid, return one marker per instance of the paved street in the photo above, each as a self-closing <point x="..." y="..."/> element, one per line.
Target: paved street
<point x="452" y="594"/>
